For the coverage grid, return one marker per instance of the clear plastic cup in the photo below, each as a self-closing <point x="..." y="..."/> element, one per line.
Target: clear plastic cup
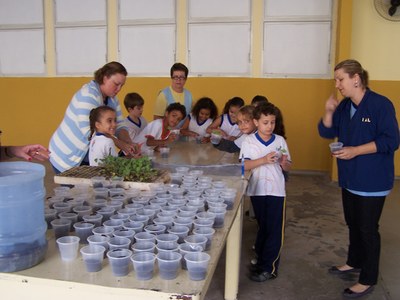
<point x="97" y="181"/>
<point x="116" y="224"/>
<point x="63" y="191"/>
<point x="61" y="227"/>
<point x="119" y="260"/>
<point x="118" y="242"/>
<point x="68" y="246"/>
<point x="166" y="221"/>
<point x="82" y="211"/>
<point x="143" y="265"/>
<point x="197" y="264"/>
<point x="107" y="212"/>
<point x="95" y="219"/>
<point x="215" y="138"/>
<point x="335" y="146"/>
<point x="196" y="240"/>
<point x="180" y="231"/>
<point x="143" y="246"/>
<point x="176" y="178"/>
<point x="100" y="193"/>
<point x="116" y="204"/>
<point x="166" y="238"/>
<point x="50" y="214"/>
<point x="140" y="218"/>
<point x="127" y="211"/>
<point x="182" y="170"/>
<point x="198" y="223"/>
<point x="155" y="229"/>
<point x="101" y="240"/>
<point x="97" y="204"/>
<point x="61" y="207"/>
<point x="135" y="226"/>
<point x="167" y="247"/>
<point x="219" y="216"/>
<point x="185" y="248"/>
<point x="135" y="206"/>
<point x="55" y="199"/>
<point x="180" y="221"/>
<point x="169" y="264"/>
<point x="145" y="236"/>
<point x="73" y="217"/>
<point x="83" y="230"/>
<point x="229" y="199"/>
<point x="164" y="151"/>
<point x="128" y="233"/>
<point x="103" y="230"/>
<point x="123" y="217"/>
<point x="93" y="257"/>
<point x="207" y="232"/>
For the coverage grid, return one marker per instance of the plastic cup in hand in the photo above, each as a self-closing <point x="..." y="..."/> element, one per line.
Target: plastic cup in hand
<point x="93" y="257"/>
<point x="215" y="138"/>
<point x="118" y="242"/>
<point x="169" y="264"/>
<point x="119" y="260"/>
<point x="143" y="246"/>
<point x="83" y="230"/>
<point x="197" y="263"/>
<point x="68" y="246"/>
<point x="164" y="151"/>
<point x="207" y="232"/>
<point x="61" y="227"/>
<point x="143" y="264"/>
<point x="335" y="146"/>
<point x="186" y="248"/>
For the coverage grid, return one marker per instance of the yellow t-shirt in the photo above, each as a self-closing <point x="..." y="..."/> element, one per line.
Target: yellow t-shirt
<point x="162" y="103"/>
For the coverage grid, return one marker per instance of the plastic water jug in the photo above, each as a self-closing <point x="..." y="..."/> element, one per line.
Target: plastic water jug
<point x="23" y="241"/>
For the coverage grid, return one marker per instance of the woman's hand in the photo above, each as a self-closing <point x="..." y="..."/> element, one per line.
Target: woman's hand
<point x="331" y="104"/>
<point x="285" y="162"/>
<point x="29" y="152"/>
<point x="346" y="153"/>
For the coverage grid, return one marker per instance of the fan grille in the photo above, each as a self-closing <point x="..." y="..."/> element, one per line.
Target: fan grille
<point x="382" y="7"/>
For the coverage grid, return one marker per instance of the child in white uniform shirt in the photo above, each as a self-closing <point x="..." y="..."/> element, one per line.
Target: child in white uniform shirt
<point x="158" y="132"/>
<point x="135" y="122"/>
<point x="103" y="122"/>
<point x="203" y="114"/>
<point x="226" y="123"/>
<point x="246" y="126"/>
<point x="266" y="155"/>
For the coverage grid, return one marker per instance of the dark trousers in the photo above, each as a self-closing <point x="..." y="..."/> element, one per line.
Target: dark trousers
<point x="270" y="215"/>
<point x="362" y="216"/>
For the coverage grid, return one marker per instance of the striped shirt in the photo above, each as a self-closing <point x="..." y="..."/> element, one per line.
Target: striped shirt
<point x="69" y="143"/>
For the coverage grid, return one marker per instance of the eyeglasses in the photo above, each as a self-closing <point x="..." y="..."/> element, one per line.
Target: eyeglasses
<point x="178" y="78"/>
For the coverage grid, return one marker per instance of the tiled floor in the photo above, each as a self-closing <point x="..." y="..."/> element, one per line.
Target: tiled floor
<point x="315" y="239"/>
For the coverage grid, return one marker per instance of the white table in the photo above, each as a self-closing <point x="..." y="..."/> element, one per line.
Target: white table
<point x="55" y="279"/>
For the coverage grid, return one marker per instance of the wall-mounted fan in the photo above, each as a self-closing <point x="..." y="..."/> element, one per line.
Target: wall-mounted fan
<point x="388" y="9"/>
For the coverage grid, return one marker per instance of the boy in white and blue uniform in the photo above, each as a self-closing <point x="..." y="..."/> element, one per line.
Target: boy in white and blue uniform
<point x="266" y="155"/>
<point x="135" y="122"/>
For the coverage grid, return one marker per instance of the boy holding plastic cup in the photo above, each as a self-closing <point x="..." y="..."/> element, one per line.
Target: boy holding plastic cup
<point x="266" y="155"/>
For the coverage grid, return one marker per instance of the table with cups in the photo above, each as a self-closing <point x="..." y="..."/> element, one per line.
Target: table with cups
<point x="162" y="243"/>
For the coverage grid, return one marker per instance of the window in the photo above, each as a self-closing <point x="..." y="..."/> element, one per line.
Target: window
<point x="297" y="38"/>
<point x="22" y="38"/>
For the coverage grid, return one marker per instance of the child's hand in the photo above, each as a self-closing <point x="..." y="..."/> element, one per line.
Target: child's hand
<point x="285" y="162"/>
<point x="172" y="137"/>
<point x="271" y="158"/>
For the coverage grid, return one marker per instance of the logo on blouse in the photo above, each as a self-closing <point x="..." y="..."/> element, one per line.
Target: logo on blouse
<point x="365" y="120"/>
